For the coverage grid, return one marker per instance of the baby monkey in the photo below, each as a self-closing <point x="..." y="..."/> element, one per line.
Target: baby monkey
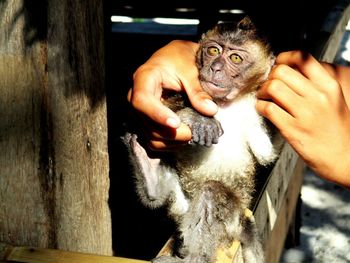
<point x="208" y="184"/>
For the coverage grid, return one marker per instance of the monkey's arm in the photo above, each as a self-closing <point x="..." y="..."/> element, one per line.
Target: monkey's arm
<point x="261" y="144"/>
<point x="156" y="182"/>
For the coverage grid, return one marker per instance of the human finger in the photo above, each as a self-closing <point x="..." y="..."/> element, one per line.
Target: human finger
<point x="277" y="91"/>
<point x="306" y="64"/>
<point x="165" y="145"/>
<point x="282" y="120"/>
<point x="199" y="99"/>
<point x="202" y="102"/>
<point x="158" y="132"/>
<point x="145" y="97"/>
<point x="291" y="77"/>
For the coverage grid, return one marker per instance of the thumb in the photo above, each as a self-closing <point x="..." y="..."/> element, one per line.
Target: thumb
<point x="201" y="100"/>
<point x="154" y="109"/>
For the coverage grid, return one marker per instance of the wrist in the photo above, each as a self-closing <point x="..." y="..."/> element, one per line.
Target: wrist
<point x="343" y="171"/>
<point x="337" y="171"/>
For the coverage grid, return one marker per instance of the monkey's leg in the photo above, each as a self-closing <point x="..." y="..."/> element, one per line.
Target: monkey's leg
<point x="251" y="245"/>
<point x="156" y="181"/>
<point x="203" y="228"/>
<point x="216" y="218"/>
<point x="212" y="221"/>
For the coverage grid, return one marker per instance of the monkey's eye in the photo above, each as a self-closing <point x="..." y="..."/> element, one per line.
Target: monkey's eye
<point x="213" y="51"/>
<point x="235" y="58"/>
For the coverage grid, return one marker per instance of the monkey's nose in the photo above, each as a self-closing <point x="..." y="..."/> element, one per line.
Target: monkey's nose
<point x="217" y="66"/>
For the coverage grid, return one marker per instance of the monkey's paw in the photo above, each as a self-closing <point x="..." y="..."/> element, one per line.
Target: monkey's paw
<point x="206" y="131"/>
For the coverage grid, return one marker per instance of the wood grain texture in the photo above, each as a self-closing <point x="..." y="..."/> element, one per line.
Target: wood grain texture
<point x="53" y="129"/>
<point x="274" y="245"/>
<point x="40" y="255"/>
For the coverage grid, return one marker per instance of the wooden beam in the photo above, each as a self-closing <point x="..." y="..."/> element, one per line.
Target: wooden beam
<point x="39" y="255"/>
<point x="54" y="167"/>
<point x="274" y="245"/>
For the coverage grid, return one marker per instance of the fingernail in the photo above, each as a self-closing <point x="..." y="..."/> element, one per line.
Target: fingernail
<point x="173" y="123"/>
<point x="210" y="105"/>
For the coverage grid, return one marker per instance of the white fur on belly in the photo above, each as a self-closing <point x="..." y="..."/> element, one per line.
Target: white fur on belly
<point x="243" y="133"/>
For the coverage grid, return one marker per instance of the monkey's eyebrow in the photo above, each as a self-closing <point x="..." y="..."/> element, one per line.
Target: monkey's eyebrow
<point x="238" y="48"/>
<point x="212" y="42"/>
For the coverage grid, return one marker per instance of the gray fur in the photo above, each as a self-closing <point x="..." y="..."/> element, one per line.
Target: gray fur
<point x="208" y="184"/>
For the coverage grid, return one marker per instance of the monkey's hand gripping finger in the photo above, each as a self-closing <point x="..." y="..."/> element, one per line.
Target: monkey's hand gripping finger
<point x="205" y="130"/>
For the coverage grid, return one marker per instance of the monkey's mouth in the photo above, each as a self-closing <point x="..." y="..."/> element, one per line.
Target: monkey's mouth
<point x="217" y="91"/>
<point x="214" y="89"/>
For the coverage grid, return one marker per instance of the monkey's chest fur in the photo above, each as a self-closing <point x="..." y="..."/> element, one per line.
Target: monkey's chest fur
<point x="232" y="161"/>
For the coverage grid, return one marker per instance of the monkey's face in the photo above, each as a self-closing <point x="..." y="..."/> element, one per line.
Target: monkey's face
<point x="225" y="69"/>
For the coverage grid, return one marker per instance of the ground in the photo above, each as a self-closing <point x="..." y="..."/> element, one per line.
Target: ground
<point x="325" y="230"/>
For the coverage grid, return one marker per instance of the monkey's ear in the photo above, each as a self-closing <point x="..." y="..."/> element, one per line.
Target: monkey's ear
<point x="246" y="24"/>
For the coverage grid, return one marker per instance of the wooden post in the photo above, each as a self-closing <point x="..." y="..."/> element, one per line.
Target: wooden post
<point x="54" y="166"/>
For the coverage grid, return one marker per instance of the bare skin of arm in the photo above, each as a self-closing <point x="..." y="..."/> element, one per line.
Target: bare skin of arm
<point x="305" y="99"/>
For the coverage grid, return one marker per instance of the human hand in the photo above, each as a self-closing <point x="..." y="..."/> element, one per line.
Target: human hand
<point x="171" y="67"/>
<point x="306" y="103"/>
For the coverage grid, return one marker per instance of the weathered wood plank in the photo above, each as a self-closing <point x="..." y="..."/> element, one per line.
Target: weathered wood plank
<point x="54" y="167"/>
<point x="39" y="255"/>
<point x="23" y="219"/>
<point x="334" y="26"/>
<point x="273" y="196"/>
<point x="275" y="243"/>
<point x="79" y="121"/>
